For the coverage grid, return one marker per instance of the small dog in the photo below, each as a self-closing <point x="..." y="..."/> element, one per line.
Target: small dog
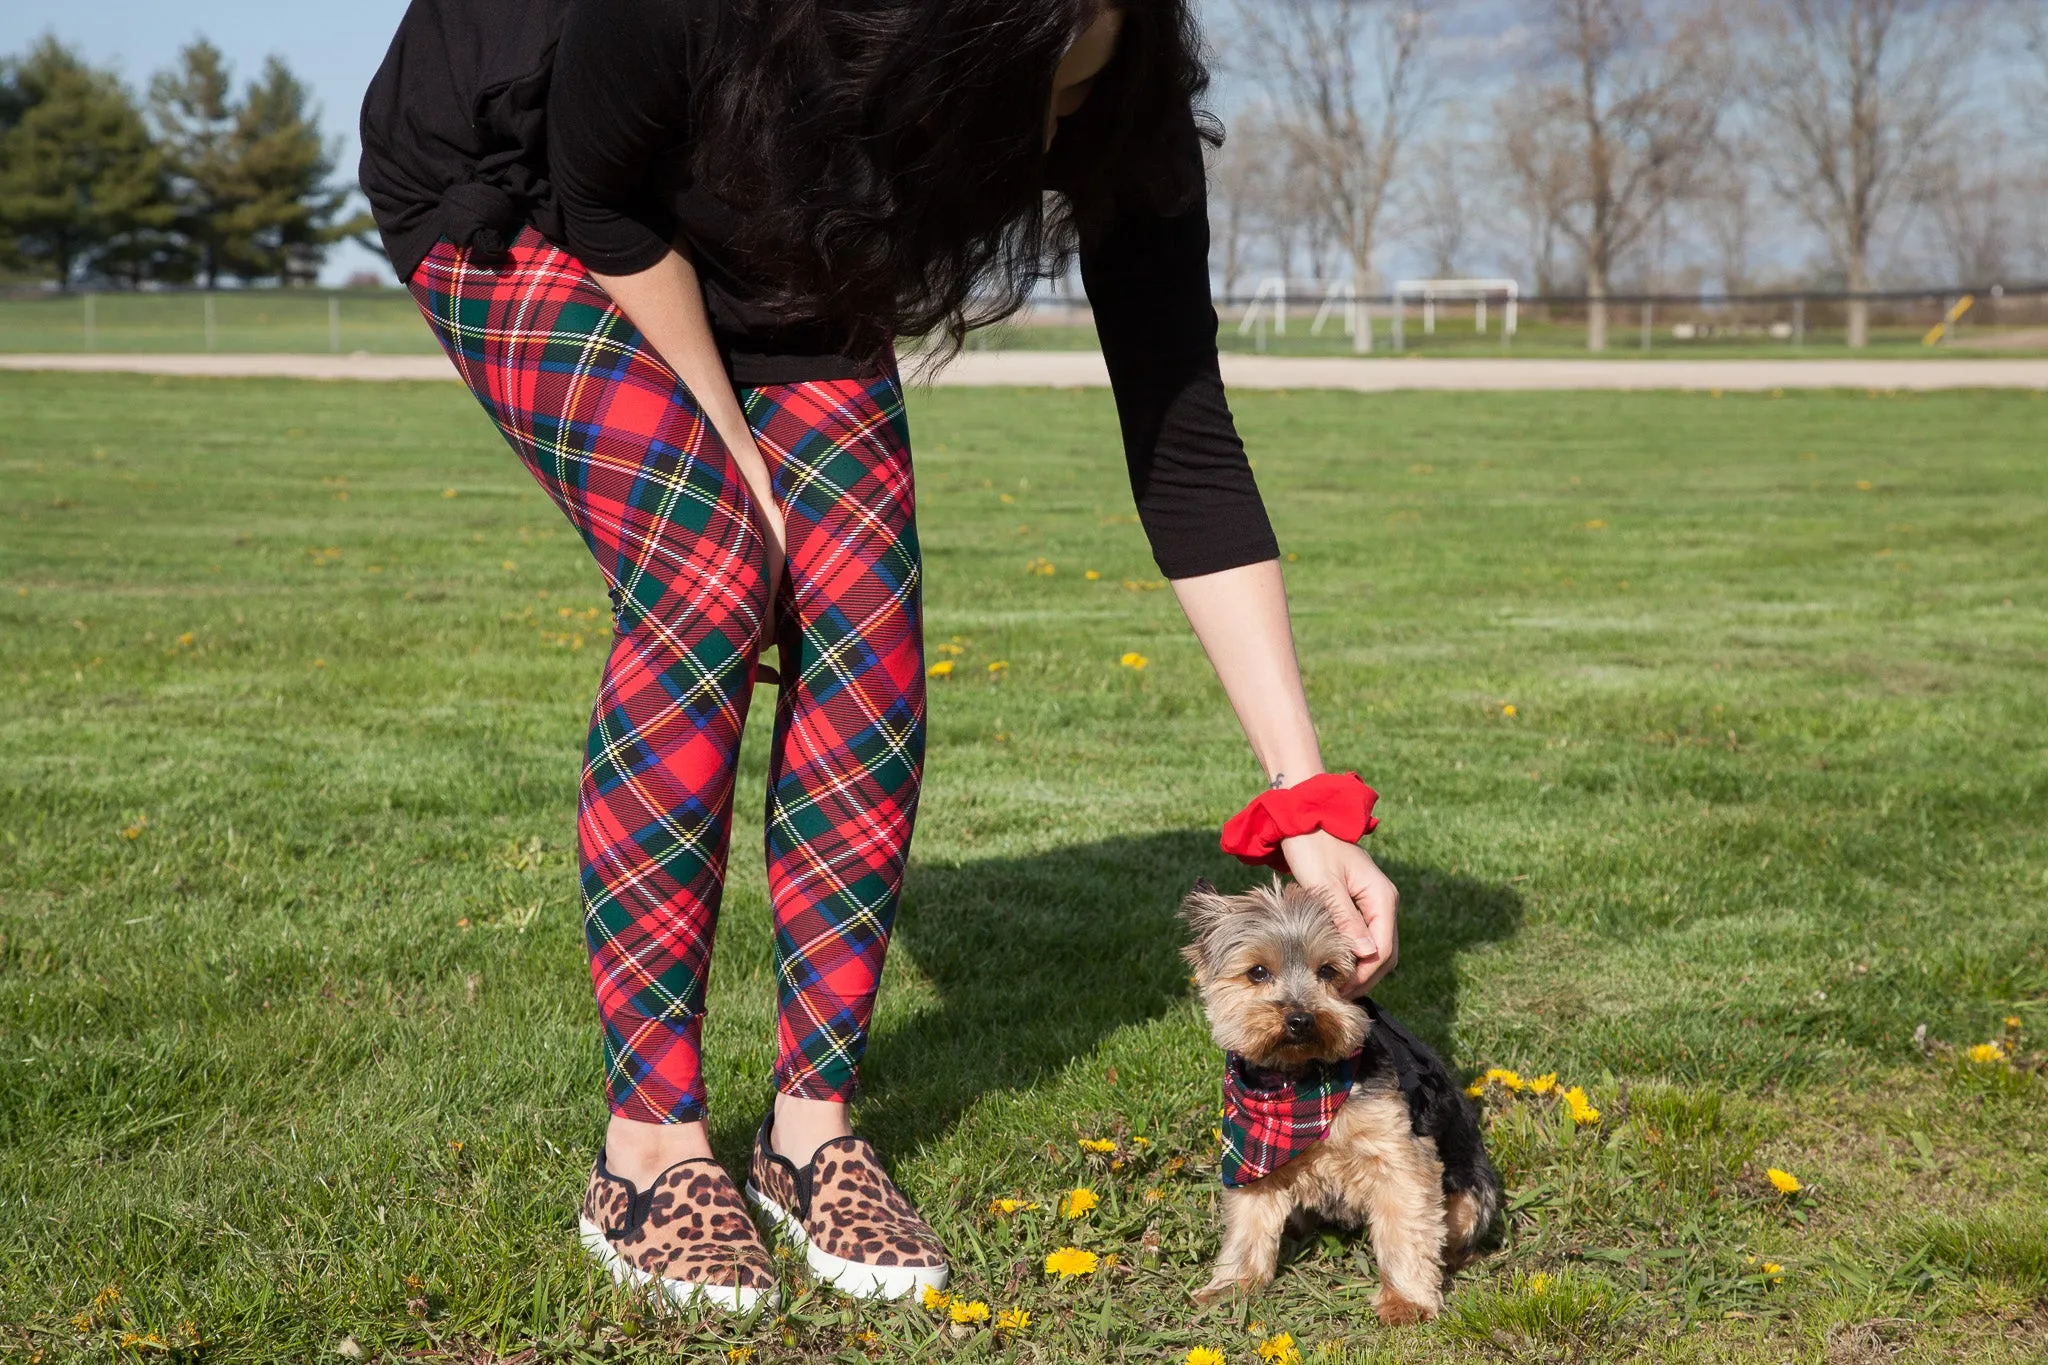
<point x="1332" y="1109"/>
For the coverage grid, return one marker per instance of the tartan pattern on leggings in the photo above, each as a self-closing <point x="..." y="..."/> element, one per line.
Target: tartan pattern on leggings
<point x="845" y="766"/>
<point x="621" y="447"/>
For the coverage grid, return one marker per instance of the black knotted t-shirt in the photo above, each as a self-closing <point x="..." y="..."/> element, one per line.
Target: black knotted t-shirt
<point x="574" y="116"/>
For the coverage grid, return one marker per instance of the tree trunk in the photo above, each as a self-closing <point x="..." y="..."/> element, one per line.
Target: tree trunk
<point x="1859" y="309"/>
<point x="1596" y="309"/>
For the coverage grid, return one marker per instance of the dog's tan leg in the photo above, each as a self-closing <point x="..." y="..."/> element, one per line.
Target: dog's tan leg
<point x="1398" y="1181"/>
<point x="1253" y="1219"/>
<point x="1462" y="1212"/>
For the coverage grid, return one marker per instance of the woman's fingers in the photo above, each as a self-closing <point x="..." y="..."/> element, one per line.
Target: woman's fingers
<point x="1363" y="902"/>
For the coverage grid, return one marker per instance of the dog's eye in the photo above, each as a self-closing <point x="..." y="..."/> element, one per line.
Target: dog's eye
<point x="1327" y="972"/>
<point x="1258" y="975"/>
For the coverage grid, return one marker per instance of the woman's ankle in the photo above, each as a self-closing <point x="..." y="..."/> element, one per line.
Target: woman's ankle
<point x="638" y="1153"/>
<point x="801" y="1126"/>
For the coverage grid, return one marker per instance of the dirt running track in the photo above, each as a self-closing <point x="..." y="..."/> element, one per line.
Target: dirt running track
<point x="1084" y="369"/>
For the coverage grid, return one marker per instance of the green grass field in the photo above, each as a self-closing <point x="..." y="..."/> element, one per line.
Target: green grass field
<point x="384" y="321"/>
<point x="1711" y="733"/>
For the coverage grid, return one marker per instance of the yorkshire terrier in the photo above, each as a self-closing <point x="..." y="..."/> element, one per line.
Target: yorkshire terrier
<point x="1332" y="1109"/>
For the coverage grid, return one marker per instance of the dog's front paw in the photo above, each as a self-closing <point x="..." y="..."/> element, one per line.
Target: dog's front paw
<point x="1222" y="1289"/>
<point x="1397" y="1310"/>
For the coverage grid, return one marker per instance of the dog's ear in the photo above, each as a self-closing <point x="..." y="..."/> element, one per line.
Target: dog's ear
<point x="1204" y="908"/>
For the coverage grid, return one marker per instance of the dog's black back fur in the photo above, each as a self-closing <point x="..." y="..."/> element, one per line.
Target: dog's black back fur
<point x="1437" y="1108"/>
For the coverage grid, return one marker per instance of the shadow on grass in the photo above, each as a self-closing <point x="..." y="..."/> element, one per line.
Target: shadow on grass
<point x="1036" y="960"/>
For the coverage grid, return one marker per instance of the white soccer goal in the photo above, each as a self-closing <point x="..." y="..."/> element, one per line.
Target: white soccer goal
<point x="1478" y="291"/>
<point x="1340" y="298"/>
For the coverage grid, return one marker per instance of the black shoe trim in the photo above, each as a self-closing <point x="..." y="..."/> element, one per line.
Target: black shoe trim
<point x="799" y="1176"/>
<point x="639" y="1202"/>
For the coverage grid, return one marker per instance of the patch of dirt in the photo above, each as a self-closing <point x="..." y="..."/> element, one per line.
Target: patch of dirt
<point x="1867" y="1343"/>
<point x="2020" y="339"/>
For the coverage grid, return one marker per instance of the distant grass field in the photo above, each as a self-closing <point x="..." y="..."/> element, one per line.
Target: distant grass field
<point x="1711" y="733"/>
<point x="384" y="321"/>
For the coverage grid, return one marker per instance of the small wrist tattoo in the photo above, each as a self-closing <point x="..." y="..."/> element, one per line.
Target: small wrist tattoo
<point x="1279" y="781"/>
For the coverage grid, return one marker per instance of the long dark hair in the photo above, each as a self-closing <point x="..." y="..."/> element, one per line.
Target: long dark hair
<point x="888" y="158"/>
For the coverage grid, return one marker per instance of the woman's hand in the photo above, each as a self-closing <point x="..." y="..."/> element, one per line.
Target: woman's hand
<point x="1360" y="897"/>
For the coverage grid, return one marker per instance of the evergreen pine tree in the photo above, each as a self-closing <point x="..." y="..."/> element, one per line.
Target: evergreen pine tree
<point x="79" y="173"/>
<point x="252" y="176"/>
<point x="195" y="117"/>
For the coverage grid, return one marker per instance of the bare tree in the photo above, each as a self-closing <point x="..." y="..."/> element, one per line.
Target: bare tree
<point x="1346" y="76"/>
<point x="1244" y="179"/>
<point x="1861" y="98"/>
<point x="1616" y="132"/>
<point x="1540" y="179"/>
<point x="1725" y="202"/>
<point x="1439" y="210"/>
<point x="1973" y="211"/>
<point x="2034" y="31"/>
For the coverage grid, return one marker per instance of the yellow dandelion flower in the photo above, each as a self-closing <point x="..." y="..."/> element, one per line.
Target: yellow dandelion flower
<point x="1279" y="1350"/>
<point x="1141" y="1142"/>
<point x="1539" y="1283"/>
<point x="870" y="1338"/>
<point x="110" y="1295"/>
<point x="1774" y="1270"/>
<point x="740" y="1355"/>
<point x="1202" y="1355"/>
<point x="151" y="1342"/>
<point x="1476" y="1089"/>
<point x="951" y="650"/>
<point x="942" y="669"/>
<point x="1984" y="1053"/>
<point x="1134" y="660"/>
<point x="934" y="1300"/>
<point x="1014" y="1320"/>
<point x="447" y="492"/>
<point x="509" y="566"/>
<point x="2012" y="1021"/>
<point x="1863" y="485"/>
<point x="1544" y="1084"/>
<point x="186" y="638"/>
<point x="1596" y="525"/>
<point x="999" y="666"/>
<point x="1091" y="575"/>
<point x="1078" y="1202"/>
<point x="973" y="1311"/>
<point x="1006" y="1207"/>
<point x="1580" y="1108"/>
<point x="1154" y="1194"/>
<point x="1784" y="1182"/>
<point x="1097" y="1145"/>
<point x="1069" y="1262"/>
<point x="1217" y="1133"/>
<point x="1500" y="1075"/>
<point x="1509" y="710"/>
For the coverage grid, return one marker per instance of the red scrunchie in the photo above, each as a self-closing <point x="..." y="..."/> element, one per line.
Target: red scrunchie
<point x="1336" y="803"/>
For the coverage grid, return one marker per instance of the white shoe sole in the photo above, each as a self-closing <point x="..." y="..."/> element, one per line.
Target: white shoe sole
<point x="677" y="1292"/>
<point x="854" y="1278"/>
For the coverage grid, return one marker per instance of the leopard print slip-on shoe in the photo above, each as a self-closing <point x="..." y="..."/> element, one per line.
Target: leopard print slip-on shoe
<point x="857" y="1231"/>
<point x="688" y="1236"/>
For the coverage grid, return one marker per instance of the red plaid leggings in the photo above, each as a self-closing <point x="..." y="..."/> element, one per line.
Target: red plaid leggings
<point x="616" y="440"/>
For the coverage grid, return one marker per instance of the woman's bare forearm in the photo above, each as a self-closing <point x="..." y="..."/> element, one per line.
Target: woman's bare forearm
<point x="1240" y="616"/>
<point x="666" y="303"/>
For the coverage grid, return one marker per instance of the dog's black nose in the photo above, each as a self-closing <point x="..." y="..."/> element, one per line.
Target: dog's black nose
<point x="1300" y="1026"/>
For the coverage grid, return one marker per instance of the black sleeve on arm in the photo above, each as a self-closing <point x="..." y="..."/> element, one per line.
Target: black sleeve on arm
<point x="1148" y="279"/>
<point x="618" y="107"/>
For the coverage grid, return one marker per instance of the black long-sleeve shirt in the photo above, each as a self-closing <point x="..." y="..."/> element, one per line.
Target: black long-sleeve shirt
<point x="574" y="116"/>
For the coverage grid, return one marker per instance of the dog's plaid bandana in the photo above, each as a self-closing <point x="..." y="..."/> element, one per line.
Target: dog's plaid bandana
<point x="1270" y="1118"/>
